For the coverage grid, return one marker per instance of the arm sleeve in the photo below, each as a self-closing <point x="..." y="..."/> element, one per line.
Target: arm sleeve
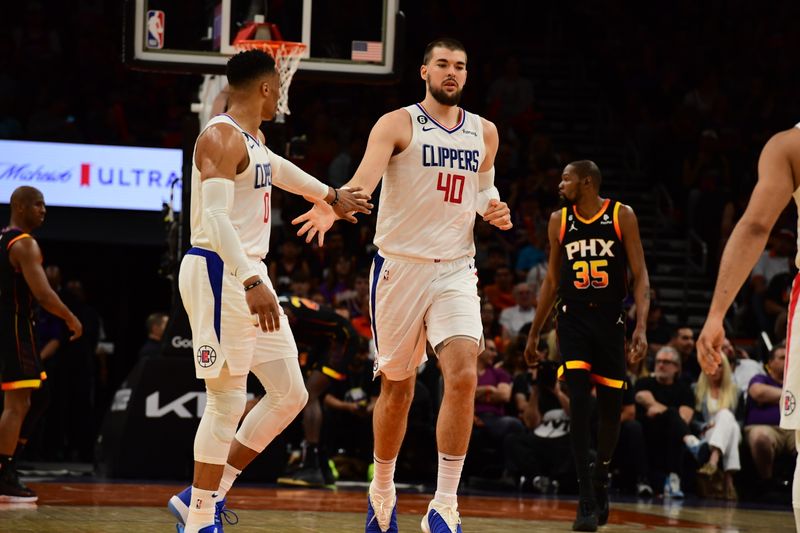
<point x="486" y="191"/>
<point x="292" y="178"/>
<point x="217" y="204"/>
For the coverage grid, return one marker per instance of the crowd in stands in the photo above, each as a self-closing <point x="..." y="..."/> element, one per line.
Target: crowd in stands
<point x="697" y="102"/>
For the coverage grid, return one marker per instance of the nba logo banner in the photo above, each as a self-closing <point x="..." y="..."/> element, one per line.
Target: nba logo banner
<point x="155" y="29"/>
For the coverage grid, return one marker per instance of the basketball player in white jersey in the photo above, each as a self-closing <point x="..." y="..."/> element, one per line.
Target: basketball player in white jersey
<point x="226" y="290"/>
<point x="778" y="182"/>
<point x="437" y="165"/>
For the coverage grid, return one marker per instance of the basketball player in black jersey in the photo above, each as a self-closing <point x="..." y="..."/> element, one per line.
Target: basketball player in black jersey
<point x="332" y="343"/>
<point x="593" y="241"/>
<point x="22" y="279"/>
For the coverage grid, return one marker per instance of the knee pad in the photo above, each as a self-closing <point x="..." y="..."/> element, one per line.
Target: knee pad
<point x="273" y="412"/>
<point x="218" y="425"/>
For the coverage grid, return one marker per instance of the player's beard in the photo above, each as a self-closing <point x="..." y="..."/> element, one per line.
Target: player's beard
<point x="444" y="98"/>
<point x="563" y="201"/>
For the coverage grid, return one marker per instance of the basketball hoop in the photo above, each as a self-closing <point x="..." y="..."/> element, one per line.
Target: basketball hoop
<point x="287" y="55"/>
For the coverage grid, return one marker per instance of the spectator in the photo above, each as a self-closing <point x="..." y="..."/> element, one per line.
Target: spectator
<point x="717" y="397"/>
<point x="683" y="342"/>
<point x="340" y="279"/>
<point x="356" y="300"/>
<point x="300" y="285"/>
<point x="289" y="262"/>
<point x="491" y="327"/>
<point x="543" y="453"/>
<point x="500" y="292"/>
<point x="630" y="456"/>
<point x="765" y="438"/>
<point x="513" y="318"/>
<point x="492" y="396"/>
<point x="348" y="410"/>
<point x="510" y="97"/>
<point x="531" y="253"/>
<point x="155" y="324"/>
<point x="777" y="259"/>
<point x="538" y="272"/>
<point x="776" y="304"/>
<point x="742" y="366"/>
<point x="665" y="407"/>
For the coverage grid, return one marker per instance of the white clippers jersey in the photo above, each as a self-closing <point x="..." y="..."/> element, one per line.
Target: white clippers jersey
<point x="427" y="203"/>
<point x="251" y="198"/>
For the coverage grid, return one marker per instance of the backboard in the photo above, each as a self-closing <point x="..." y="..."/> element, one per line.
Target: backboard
<point x="345" y="39"/>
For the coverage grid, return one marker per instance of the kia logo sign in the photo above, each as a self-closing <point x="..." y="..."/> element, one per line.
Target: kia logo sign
<point x="90" y="175"/>
<point x="189" y="405"/>
<point x="180" y="342"/>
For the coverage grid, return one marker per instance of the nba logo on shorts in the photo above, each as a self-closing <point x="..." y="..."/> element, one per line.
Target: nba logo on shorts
<point x="155" y="29"/>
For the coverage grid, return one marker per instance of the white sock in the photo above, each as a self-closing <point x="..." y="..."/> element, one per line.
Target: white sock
<point x="447" y="480"/>
<point x="383" y="479"/>
<point x="201" y="510"/>
<point x="229" y="475"/>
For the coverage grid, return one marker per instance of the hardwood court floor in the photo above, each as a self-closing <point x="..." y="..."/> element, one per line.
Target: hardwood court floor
<point x="131" y="508"/>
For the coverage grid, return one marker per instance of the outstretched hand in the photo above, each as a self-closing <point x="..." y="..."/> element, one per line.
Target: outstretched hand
<point x="499" y="215"/>
<point x="352" y="201"/>
<point x="709" y="346"/>
<point x="316" y="222"/>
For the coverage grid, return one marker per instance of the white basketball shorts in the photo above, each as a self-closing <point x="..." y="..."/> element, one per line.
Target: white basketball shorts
<point x="412" y="302"/>
<point x="790" y="414"/>
<point x="223" y="329"/>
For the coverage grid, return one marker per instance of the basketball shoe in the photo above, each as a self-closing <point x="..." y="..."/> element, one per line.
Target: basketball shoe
<point x="586" y="517"/>
<point x="12" y="490"/>
<point x="208" y="529"/>
<point x="179" y="507"/>
<point x="600" y="484"/>
<point x="382" y="516"/>
<point x="441" y="518"/>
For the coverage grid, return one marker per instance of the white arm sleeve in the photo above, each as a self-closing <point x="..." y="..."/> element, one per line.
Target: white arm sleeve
<point x="217" y="204"/>
<point x="292" y="178"/>
<point x="486" y="191"/>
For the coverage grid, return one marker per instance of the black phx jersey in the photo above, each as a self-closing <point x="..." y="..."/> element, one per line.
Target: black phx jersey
<point x="593" y="260"/>
<point x="20" y="366"/>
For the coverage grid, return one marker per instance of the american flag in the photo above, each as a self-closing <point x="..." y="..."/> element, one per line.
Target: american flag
<point x="367" y="51"/>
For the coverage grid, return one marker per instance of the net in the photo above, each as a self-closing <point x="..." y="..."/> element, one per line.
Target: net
<point x="287" y="55"/>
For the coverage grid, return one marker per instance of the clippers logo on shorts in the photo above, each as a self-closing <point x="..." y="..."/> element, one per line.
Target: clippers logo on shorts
<point x="206" y="356"/>
<point x="789" y="403"/>
<point x="386" y="275"/>
<point x="375" y="366"/>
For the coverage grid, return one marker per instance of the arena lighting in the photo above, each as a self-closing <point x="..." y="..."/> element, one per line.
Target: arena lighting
<point x="91" y="175"/>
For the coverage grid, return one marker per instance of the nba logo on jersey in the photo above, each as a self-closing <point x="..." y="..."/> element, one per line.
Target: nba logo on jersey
<point x="155" y="29"/>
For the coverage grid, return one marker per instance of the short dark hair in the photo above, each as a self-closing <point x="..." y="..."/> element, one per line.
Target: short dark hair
<point x="774" y="351"/>
<point x="442" y="42"/>
<point x="586" y="168"/>
<point x="153" y="319"/>
<point x="677" y="331"/>
<point x="247" y="66"/>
